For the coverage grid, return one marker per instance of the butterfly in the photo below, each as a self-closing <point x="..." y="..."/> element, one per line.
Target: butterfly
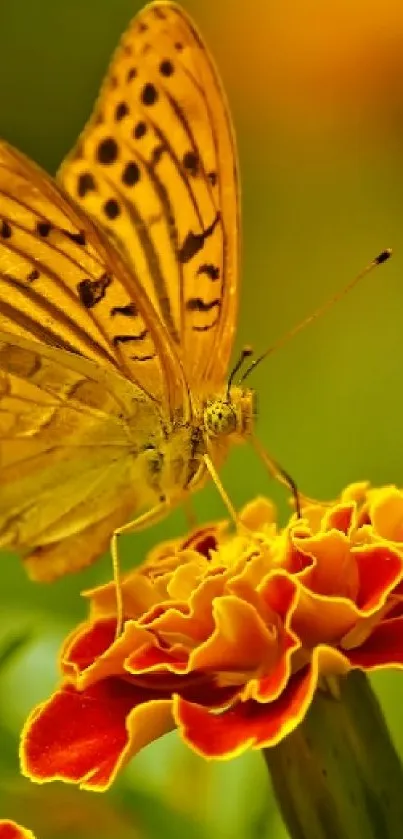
<point x="119" y="287"/>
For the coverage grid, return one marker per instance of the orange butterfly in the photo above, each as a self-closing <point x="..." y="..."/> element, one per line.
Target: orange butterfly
<point x="117" y="317"/>
<point x="118" y="308"/>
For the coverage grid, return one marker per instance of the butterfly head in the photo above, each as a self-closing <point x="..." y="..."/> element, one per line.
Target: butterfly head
<point x="230" y="415"/>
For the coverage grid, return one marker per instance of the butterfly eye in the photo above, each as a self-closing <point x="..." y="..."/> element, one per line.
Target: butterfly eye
<point x="220" y="418"/>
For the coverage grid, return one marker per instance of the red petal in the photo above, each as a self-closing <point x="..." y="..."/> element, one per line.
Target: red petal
<point x="383" y="648"/>
<point x="279" y="593"/>
<point x="150" y="658"/>
<point x="248" y="724"/>
<point x="86" y="644"/>
<point x="270" y="686"/>
<point x="340" y="517"/>
<point x="84" y="737"/>
<point x="11" y="830"/>
<point x="380" y="569"/>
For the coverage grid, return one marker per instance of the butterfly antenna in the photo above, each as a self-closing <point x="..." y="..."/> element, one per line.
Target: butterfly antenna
<point x="245" y="353"/>
<point x="382" y="257"/>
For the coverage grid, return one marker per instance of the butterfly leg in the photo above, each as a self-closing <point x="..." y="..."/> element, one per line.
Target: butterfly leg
<point x="278" y="473"/>
<point x="216" y="478"/>
<point x="150" y="517"/>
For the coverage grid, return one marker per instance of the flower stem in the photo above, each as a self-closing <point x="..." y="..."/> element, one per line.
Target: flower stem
<point x="338" y="774"/>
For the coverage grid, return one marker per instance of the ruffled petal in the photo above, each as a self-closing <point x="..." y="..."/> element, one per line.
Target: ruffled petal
<point x="12" y="830"/>
<point x="226" y="636"/>
<point x="85" y="737"/>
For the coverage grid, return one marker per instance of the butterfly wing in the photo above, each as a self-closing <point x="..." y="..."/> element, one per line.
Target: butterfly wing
<point x="63" y="283"/>
<point x="67" y="457"/>
<point x="156" y="166"/>
<point x="87" y="375"/>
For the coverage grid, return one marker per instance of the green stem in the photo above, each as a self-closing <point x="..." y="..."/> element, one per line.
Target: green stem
<point x="338" y="776"/>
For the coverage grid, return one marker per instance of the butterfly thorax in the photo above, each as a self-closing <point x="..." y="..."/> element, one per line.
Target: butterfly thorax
<point x="177" y="466"/>
<point x="230" y="415"/>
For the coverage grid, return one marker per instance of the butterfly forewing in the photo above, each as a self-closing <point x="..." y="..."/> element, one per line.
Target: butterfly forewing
<point x="156" y="166"/>
<point x="63" y="284"/>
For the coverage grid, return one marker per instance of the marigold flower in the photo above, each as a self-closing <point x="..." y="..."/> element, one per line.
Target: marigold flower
<point x="226" y="637"/>
<point x="12" y="830"/>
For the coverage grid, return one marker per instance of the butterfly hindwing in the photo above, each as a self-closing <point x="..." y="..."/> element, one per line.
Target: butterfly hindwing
<point x="68" y="457"/>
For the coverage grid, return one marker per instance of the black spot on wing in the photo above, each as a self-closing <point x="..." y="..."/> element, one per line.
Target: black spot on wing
<point x="126" y="339"/>
<point x="5" y="230"/>
<point x="140" y="130"/>
<point x="166" y="68"/>
<point x="206" y="327"/>
<point x="128" y="311"/>
<point x="43" y="228"/>
<point x="191" y="163"/>
<point x="107" y="151"/>
<point x="111" y="209"/>
<point x="194" y="241"/>
<point x="86" y="183"/>
<point x="91" y="292"/>
<point x="33" y="275"/>
<point x="142" y="357"/>
<point x="121" y="111"/>
<point x="196" y="304"/>
<point x="211" y="271"/>
<point x="131" y="173"/>
<point x="78" y="238"/>
<point x="149" y="94"/>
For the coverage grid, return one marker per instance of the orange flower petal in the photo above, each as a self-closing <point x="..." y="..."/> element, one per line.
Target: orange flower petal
<point x="84" y="737"/>
<point x="241" y="640"/>
<point x="12" y="830"/>
<point x="268" y="688"/>
<point x="319" y="619"/>
<point x="195" y="619"/>
<point x="383" y="648"/>
<point x="250" y="724"/>
<point x="79" y="661"/>
<point x="387" y="513"/>
<point x="340" y="517"/>
<point x="153" y="659"/>
<point x="231" y="632"/>
<point x="136" y="599"/>
<point x="86" y="644"/>
<point x="380" y="569"/>
<point x="334" y="572"/>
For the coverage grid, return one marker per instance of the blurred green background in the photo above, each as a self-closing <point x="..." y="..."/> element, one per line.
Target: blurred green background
<point x="316" y="92"/>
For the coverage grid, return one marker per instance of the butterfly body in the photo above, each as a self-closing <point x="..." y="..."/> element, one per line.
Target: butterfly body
<point x="118" y="304"/>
